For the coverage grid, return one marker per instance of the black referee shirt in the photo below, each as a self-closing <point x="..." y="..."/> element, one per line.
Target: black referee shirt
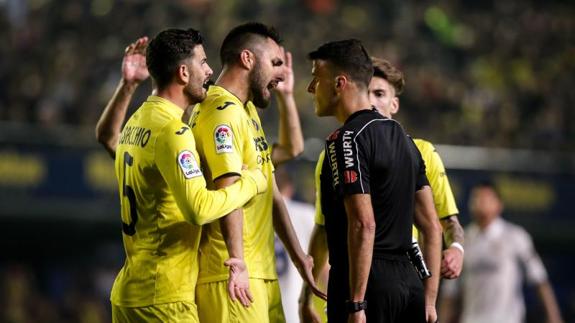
<point x="371" y="154"/>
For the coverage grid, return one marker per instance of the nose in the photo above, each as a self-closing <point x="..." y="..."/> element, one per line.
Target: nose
<point x="311" y="87"/>
<point x="209" y="72"/>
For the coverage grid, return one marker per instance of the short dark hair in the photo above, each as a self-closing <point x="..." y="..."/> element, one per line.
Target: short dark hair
<point x="348" y="56"/>
<point x="244" y="36"/>
<point x="167" y="51"/>
<point x="384" y="69"/>
<point x="486" y="183"/>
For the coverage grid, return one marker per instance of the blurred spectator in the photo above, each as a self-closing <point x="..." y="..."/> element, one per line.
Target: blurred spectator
<point x="496" y="255"/>
<point x="494" y="73"/>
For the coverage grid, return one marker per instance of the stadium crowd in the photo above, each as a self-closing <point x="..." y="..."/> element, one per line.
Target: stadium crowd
<point x="491" y="73"/>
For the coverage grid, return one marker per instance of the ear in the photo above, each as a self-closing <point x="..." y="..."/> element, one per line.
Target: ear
<point x="183" y="76"/>
<point x="394" y="105"/>
<point x="247" y="59"/>
<point x="340" y="83"/>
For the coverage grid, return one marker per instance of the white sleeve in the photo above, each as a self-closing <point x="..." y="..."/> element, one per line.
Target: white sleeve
<point x="534" y="269"/>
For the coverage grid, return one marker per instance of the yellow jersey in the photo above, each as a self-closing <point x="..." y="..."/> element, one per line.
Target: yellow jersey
<point x="435" y="172"/>
<point x="229" y="135"/>
<point x="319" y="217"/>
<point x="162" y="192"/>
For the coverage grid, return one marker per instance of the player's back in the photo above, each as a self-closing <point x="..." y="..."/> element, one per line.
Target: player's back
<point x="160" y="245"/>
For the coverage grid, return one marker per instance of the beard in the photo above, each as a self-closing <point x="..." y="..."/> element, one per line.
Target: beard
<point x="195" y="92"/>
<point x="258" y="88"/>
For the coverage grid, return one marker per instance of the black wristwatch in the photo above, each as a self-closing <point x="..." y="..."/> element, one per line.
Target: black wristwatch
<point x="353" y="307"/>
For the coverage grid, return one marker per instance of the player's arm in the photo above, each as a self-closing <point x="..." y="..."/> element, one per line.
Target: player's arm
<point x="231" y="226"/>
<point x="536" y="274"/>
<point x="318" y="251"/>
<point x="452" y="260"/>
<point x="291" y="142"/>
<point x="285" y="231"/>
<point x="547" y="297"/>
<point x="428" y="224"/>
<point x="178" y="162"/>
<point x="134" y="71"/>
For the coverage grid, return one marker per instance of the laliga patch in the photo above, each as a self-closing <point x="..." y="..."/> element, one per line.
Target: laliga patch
<point x="349" y="176"/>
<point x="223" y="136"/>
<point x="188" y="164"/>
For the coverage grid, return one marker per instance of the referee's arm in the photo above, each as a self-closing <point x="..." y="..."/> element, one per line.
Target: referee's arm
<point x="360" y="238"/>
<point x="428" y="224"/>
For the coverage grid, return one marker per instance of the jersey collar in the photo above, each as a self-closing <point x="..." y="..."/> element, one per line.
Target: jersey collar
<point x="165" y="105"/>
<point x="359" y="112"/>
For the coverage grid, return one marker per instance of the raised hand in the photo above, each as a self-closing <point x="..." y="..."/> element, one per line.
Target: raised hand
<point x="238" y="282"/>
<point x="134" y="69"/>
<point x="286" y="86"/>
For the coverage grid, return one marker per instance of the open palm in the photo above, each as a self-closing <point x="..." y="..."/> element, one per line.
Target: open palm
<point x="134" y="69"/>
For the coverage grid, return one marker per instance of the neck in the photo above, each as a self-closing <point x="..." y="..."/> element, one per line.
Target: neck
<point x="173" y="94"/>
<point x="349" y="104"/>
<point x="483" y="225"/>
<point x="234" y="81"/>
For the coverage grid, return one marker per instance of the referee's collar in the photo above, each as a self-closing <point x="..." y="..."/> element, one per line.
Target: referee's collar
<point x="359" y="112"/>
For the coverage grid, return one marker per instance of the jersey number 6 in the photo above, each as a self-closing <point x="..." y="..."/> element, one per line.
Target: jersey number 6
<point x="129" y="229"/>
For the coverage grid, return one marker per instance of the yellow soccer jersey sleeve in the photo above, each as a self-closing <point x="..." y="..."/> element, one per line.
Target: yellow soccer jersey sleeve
<point x="177" y="161"/>
<point x="161" y="245"/>
<point x="319" y="217"/>
<point x="229" y="135"/>
<point x="435" y="172"/>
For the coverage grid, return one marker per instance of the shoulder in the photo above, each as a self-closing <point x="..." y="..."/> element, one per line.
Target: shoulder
<point x="221" y="100"/>
<point x="516" y="232"/>
<point x="424" y="146"/>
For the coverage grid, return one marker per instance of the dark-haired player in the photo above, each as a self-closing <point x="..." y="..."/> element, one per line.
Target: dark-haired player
<point x="228" y="132"/>
<point x="162" y="189"/>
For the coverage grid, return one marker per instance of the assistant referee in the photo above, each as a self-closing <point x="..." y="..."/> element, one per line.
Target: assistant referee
<point x="371" y="176"/>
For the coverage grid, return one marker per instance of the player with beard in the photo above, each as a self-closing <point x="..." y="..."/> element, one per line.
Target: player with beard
<point x="229" y="134"/>
<point x="162" y="188"/>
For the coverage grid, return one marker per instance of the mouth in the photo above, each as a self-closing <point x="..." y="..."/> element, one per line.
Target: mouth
<point x="272" y="85"/>
<point x="207" y="83"/>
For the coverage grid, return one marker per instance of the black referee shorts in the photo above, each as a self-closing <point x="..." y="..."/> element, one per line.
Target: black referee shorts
<point x="394" y="293"/>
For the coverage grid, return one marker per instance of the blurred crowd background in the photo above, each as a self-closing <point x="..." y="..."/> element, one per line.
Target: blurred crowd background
<point x="491" y="74"/>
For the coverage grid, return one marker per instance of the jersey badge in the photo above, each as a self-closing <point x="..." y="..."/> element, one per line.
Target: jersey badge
<point x="188" y="164"/>
<point x="349" y="176"/>
<point x="223" y="139"/>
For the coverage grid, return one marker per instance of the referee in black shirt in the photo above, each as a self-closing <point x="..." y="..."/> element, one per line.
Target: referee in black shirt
<point x="371" y="178"/>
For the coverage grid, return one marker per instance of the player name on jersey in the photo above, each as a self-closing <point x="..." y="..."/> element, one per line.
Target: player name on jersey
<point x="136" y="136"/>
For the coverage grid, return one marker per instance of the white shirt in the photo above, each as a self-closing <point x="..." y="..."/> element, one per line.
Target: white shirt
<point x="495" y="260"/>
<point x="302" y="218"/>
